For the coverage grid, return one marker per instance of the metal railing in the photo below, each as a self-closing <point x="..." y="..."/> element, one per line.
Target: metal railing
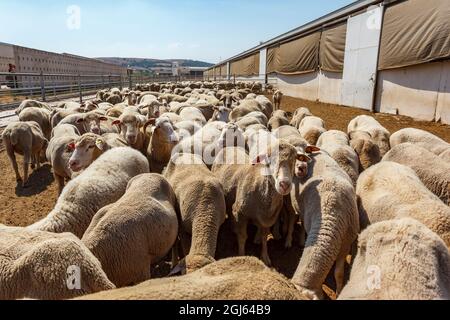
<point x="263" y="78"/>
<point x="16" y="87"/>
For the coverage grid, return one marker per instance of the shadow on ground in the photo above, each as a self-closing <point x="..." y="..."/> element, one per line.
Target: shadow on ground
<point x="38" y="182"/>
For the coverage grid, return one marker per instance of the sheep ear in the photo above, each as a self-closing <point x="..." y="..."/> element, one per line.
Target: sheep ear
<point x="303" y="157"/>
<point x="141" y="121"/>
<point x="71" y="146"/>
<point x="261" y="159"/>
<point x="103" y="118"/>
<point x="116" y="122"/>
<point x="311" y="149"/>
<point x="100" y="144"/>
<point x="150" y="122"/>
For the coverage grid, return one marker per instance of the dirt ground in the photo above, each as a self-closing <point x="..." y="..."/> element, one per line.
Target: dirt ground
<point x="338" y="117"/>
<point x="21" y="207"/>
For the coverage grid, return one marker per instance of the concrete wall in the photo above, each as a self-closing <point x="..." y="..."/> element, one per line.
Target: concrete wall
<point x="421" y="92"/>
<point x="29" y="60"/>
<point x="6" y="57"/>
<point x="316" y="86"/>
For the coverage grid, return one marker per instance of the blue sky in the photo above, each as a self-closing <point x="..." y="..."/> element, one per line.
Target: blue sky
<point x="193" y="29"/>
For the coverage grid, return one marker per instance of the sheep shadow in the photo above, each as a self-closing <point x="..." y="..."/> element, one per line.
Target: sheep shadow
<point x="38" y="182"/>
<point x="285" y="261"/>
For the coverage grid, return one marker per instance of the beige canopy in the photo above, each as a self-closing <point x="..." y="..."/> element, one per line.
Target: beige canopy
<point x="247" y="66"/>
<point x="296" y="56"/>
<point x="332" y="48"/>
<point x="414" y="32"/>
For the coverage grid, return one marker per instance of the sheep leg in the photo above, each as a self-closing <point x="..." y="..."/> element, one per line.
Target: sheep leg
<point x="339" y="269"/>
<point x="264" y="252"/>
<point x="302" y="235"/>
<point x="26" y="163"/>
<point x="257" y="239"/>
<point x="33" y="162"/>
<point x="37" y="158"/>
<point x="12" y="158"/>
<point x="276" y="230"/>
<point x="59" y="182"/>
<point x="292" y="219"/>
<point x="241" y="232"/>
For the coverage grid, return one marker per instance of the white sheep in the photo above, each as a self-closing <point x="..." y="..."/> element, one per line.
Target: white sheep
<point x="277" y="98"/>
<point x="85" y="122"/>
<point x="104" y="182"/>
<point x="311" y="128"/>
<point x="424" y="139"/>
<point x="242" y="278"/>
<point x="337" y="144"/>
<point x="432" y="170"/>
<point x="255" y="192"/>
<point x="325" y="200"/>
<point x="266" y="105"/>
<point x="130" y="124"/>
<point x="39" y="115"/>
<point x="136" y="231"/>
<point x="299" y="115"/>
<point x="202" y="208"/>
<point x="163" y="140"/>
<point x="187" y="128"/>
<point x="390" y="190"/>
<point x="366" y="148"/>
<point x="44" y="265"/>
<point x="59" y="151"/>
<point x="193" y="114"/>
<point x="399" y="260"/>
<point x="279" y="118"/>
<point x="246" y="106"/>
<point x="89" y="147"/>
<point x="27" y="139"/>
<point x="221" y="114"/>
<point x="378" y="133"/>
<point x="32" y="104"/>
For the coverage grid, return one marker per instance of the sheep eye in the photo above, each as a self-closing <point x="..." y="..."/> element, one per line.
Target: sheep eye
<point x="91" y="147"/>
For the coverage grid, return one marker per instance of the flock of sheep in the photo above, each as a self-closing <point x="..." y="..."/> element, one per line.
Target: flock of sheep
<point x="157" y="170"/>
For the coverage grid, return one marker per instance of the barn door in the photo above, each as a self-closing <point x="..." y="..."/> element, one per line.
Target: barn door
<point x="361" y="58"/>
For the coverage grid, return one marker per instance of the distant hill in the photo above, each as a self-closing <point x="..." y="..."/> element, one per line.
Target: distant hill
<point x="154" y="63"/>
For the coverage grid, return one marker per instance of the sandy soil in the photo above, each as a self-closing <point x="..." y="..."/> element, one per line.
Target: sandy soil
<point x="337" y="117"/>
<point x="21" y="207"/>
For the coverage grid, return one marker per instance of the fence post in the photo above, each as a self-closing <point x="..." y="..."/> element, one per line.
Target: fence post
<point x="121" y="83"/>
<point x="109" y="80"/>
<point x="79" y="88"/>
<point x="130" y="81"/>
<point x="42" y="86"/>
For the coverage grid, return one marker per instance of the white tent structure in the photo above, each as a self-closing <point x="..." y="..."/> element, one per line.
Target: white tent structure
<point x="390" y="56"/>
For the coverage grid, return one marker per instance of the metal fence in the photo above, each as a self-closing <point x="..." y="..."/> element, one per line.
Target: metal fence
<point x="16" y="87"/>
<point x="263" y="78"/>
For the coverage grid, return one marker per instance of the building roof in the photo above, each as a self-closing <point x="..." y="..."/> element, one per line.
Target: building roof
<point x="328" y="19"/>
<point x="64" y="54"/>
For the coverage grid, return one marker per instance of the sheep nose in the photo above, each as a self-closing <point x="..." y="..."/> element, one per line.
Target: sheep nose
<point x="95" y="130"/>
<point x="285" y="186"/>
<point x="73" y="163"/>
